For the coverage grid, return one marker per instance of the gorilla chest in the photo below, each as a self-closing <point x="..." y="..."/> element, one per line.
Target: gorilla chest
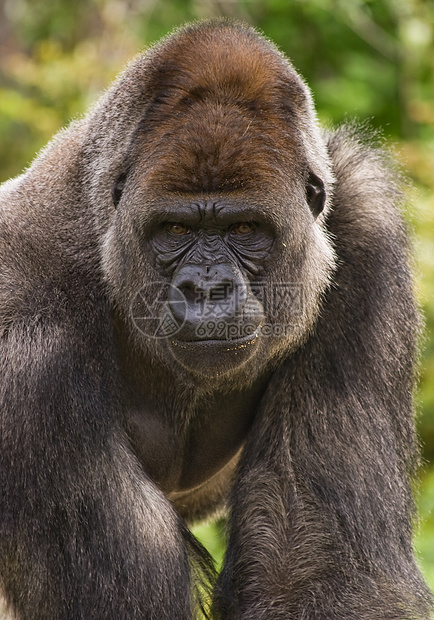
<point x="179" y="459"/>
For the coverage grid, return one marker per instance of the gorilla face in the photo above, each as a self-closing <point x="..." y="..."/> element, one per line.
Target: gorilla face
<point x="225" y="297"/>
<point x="218" y="202"/>
<point x="212" y="253"/>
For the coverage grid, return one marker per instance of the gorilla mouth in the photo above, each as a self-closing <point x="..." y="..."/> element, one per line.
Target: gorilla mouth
<point x="232" y="344"/>
<point x="212" y="356"/>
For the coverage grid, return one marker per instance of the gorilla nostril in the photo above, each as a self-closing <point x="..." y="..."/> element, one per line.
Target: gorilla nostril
<point x="210" y="292"/>
<point x="208" y="289"/>
<point x="189" y="290"/>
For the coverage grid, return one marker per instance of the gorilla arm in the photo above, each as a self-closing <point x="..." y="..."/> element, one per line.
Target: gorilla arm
<point x="83" y="530"/>
<point x="322" y="506"/>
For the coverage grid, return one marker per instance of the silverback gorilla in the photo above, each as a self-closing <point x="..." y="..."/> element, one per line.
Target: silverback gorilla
<point x="206" y="300"/>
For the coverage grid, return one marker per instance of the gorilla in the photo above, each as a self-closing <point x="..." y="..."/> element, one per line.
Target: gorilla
<point x="206" y="302"/>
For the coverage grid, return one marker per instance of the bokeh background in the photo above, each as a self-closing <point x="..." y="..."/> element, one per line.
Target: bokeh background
<point x="369" y="59"/>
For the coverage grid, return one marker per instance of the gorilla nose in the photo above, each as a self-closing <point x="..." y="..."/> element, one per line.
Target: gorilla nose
<point x="206" y="292"/>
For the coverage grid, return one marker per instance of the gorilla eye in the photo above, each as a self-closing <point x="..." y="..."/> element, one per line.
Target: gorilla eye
<point x="242" y="228"/>
<point x="178" y="229"/>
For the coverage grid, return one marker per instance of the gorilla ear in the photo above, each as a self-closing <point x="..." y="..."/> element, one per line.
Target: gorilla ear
<point x="315" y="194"/>
<point x="118" y="188"/>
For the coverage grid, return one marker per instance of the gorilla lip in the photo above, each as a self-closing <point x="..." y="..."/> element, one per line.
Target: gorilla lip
<point x="216" y="356"/>
<point x="228" y="345"/>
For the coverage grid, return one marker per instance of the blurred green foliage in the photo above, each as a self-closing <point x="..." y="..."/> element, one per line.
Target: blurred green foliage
<point x="372" y="59"/>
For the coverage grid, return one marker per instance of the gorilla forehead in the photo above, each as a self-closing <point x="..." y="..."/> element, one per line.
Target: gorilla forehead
<point x="214" y="147"/>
